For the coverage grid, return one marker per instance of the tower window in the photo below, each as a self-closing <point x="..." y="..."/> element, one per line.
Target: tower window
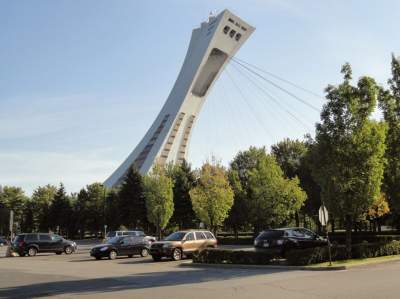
<point x="232" y="33"/>
<point x="226" y="29"/>
<point x="238" y="36"/>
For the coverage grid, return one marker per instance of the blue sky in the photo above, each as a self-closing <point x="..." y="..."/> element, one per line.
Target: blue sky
<point x="81" y="81"/>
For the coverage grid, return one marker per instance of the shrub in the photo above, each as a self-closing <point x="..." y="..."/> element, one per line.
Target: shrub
<point x="301" y="257"/>
<point x="217" y="256"/>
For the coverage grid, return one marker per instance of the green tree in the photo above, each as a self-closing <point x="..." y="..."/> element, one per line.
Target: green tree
<point x="184" y="180"/>
<point x="349" y="150"/>
<point x="96" y="194"/>
<point x="238" y="175"/>
<point x="60" y="212"/>
<point x="42" y="198"/>
<point x="212" y="198"/>
<point x="389" y="102"/>
<point x="131" y="203"/>
<point x="273" y="199"/>
<point x="289" y="154"/>
<point x="13" y="198"/>
<point x="158" y="193"/>
<point x="112" y="212"/>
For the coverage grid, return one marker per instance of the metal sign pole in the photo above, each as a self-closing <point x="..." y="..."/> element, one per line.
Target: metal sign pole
<point x="327" y="234"/>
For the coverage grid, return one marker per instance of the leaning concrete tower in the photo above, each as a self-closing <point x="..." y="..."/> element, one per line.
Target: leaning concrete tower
<point x="211" y="47"/>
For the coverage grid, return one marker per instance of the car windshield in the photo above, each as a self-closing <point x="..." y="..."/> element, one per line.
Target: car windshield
<point x="114" y="240"/>
<point x="177" y="236"/>
<point x="271" y="234"/>
<point x="111" y="234"/>
<point x="56" y="238"/>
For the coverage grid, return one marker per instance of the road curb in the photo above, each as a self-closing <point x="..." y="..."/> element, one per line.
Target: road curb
<point x="264" y="267"/>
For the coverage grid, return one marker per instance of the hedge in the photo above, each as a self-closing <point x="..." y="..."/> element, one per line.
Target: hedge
<point x="295" y="257"/>
<point x="301" y="257"/>
<point x="218" y="256"/>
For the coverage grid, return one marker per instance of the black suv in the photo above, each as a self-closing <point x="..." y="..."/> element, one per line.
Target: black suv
<point x="31" y="244"/>
<point x="118" y="246"/>
<point x="288" y="238"/>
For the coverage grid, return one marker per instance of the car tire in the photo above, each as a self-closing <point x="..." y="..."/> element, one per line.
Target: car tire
<point x="112" y="255"/>
<point x="156" y="258"/>
<point x="32" y="251"/>
<point x="144" y="252"/>
<point x="59" y="252"/>
<point x="68" y="250"/>
<point x="130" y="255"/>
<point x="176" y="254"/>
<point x="98" y="258"/>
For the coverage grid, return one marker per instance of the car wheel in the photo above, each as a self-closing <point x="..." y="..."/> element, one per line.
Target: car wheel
<point x="68" y="250"/>
<point x="59" y="252"/>
<point x="32" y="251"/>
<point x="112" y="255"/>
<point x="130" y="255"/>
<point x="156" y="258"/>
<point x="98" y="258"/>
<point x="144" y="252"/>
<point x="177" y="254"/>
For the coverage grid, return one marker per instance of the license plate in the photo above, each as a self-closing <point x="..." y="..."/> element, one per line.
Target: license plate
<point x="266" y="244"/>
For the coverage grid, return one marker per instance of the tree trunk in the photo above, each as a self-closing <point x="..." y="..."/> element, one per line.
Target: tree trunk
<point x="349" y="226"/>
<point x="296" y="216"/>
<point x="378" y="224"/>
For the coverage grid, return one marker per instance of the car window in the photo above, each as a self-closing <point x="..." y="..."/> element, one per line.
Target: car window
<point x="177" y="236"/>
<point x="297" y="233"/>
<point x="308" y="234"/>
<point x="270" y="234"/>
<point x="209" y="235"/>
<point x="56" y="238"/>
<point x="200" y="236"/>
<point x="31" y="238"/>
<point x="44" y="238"/>
<point x="111" y="234"/>
<point x="189" y="237"/>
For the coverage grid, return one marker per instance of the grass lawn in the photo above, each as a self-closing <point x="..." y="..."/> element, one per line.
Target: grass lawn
<point x="356" y="262"/>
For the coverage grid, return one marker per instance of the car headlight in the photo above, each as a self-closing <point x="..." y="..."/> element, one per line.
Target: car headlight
<point x="103" y="248"/>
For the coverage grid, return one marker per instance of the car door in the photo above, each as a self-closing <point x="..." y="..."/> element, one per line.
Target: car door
<point x="56" y="243"/>
<point x="201" y="240"/>
<point x="125" y="246"/>
<point x="189" y="243"/>
<point x="45" y="242"/>
<point x="309" y="238"/>
<point x="298" y="236"/>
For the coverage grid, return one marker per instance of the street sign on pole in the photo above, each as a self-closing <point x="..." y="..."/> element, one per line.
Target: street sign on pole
<point x="11" y="222"/>
<point x="323" y="215"/>
<point x="323" y="219"/>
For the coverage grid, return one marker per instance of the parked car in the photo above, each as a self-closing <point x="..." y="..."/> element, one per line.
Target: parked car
<point x="119" y="246"/>
<point x="132" y="233"/>
<point x="182" y="243"/>
<point x="33" y="243"/>
<point x="3" y="241"/>
<point x="288" y="238"/>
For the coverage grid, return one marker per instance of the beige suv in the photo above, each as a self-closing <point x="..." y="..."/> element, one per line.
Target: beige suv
<point x="182" y="243"/>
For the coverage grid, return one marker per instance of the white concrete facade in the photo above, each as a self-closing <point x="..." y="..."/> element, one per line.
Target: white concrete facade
<point x="210" y="49"/>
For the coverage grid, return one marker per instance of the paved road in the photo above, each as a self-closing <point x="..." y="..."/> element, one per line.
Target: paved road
<point x="78" y="275"/>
